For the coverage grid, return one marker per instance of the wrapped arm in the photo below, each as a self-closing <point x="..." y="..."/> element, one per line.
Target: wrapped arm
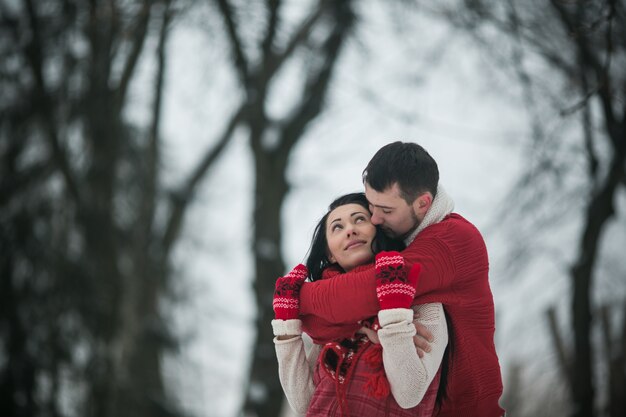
<point x="350" y="297"/>
<point x="347" y="298"/>
<point x="409" y="375"/>
<point x="295" y="371"/>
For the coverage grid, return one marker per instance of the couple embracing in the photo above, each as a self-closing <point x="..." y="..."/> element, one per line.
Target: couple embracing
<point x="396" y="298"/>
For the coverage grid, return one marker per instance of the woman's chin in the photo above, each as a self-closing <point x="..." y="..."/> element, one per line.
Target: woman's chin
<point x="359" y="258"/>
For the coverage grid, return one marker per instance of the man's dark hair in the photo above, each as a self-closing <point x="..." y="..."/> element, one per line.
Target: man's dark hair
<point x="407" y="164"/>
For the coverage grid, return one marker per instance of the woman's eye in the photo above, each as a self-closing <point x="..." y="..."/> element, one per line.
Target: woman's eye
<point x="359" y="219"/>
<point x="335" y="227"/>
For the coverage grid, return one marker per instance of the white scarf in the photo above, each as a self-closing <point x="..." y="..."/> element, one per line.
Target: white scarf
<point x="441" y="206"/>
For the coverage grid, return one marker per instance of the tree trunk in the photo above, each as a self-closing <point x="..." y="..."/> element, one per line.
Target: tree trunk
<point x="265" y="394"/>
<point x="600" y="210"/>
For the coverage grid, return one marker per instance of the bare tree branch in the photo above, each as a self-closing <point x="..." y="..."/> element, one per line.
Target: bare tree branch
<point x="605" y="322"/>
<point x="525" y="79"/>
<point x="138" y="38"/>
<point x="583" y="103"/>
<point x="296" y="40"/>
<point x="558" y="345"/>
<point x="100" y="35"/>
<point x="587" y="124"/>
<point x="148" y="203"/>
<point x="35" y="59"/>
<point x="587" y="91"/>
<point x="181" y="198"/>
<point x="12" y="185"/>
<point x="273" y="7"/>
<point x="623" y="332"/>
<point x="593" y="61"/>
<point x="316" y="88"/>
<point x="241" y="62"/>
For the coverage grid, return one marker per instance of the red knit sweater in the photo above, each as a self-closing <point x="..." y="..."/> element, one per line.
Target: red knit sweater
<point x="455" y="273"/>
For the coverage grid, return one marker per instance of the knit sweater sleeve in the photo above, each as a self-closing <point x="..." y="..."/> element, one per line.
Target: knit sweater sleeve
<point x="409" y="375"/>
<point x="347" y="298"/>
<point x="295" y="370"/>
<point x="350" y="297"/>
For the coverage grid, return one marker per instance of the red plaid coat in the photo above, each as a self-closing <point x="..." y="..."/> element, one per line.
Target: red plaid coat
<point x="358" y="403"/>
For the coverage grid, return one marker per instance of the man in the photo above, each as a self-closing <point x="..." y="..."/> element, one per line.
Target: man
<point x="401" y="185"/>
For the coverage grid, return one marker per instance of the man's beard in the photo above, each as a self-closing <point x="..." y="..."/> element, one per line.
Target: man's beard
<point x="416" y="223"/>
<point x="390" y="233"/>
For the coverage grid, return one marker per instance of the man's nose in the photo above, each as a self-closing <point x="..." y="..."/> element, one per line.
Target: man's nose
<point x="376" y="219"/>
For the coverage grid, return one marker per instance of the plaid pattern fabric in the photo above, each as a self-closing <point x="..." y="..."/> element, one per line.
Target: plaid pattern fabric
<point x="358" y="402"/>
<point x="338" y="358"/>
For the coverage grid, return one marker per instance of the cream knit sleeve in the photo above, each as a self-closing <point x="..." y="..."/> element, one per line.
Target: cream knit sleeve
<point x="295" y="371"/>
<point x="409" y="375"/>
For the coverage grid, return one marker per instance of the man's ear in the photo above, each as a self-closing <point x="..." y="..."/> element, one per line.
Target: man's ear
<point x="422" y="204"/>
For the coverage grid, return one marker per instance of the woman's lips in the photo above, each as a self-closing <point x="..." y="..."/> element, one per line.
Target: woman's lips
<point x="354" y="244"/>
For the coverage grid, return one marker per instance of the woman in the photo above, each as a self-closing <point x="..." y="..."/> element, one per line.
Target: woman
<point x="347" y="377"/>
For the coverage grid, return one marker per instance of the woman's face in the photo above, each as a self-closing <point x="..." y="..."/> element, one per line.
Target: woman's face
<point x="349" y="233"/>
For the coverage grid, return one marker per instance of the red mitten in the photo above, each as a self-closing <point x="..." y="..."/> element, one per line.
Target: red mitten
<point x="394" y="287"/>
<point x="287" y="293"/>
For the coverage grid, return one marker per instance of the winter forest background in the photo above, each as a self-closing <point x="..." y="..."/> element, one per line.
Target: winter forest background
<point x="163" y="161"/>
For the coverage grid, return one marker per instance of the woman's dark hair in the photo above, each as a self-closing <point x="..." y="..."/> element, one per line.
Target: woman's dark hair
<point x="446" y="365"/>
<point x="318" y="260"/>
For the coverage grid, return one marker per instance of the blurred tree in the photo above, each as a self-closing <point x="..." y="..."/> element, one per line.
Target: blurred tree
<point x="84" y="257"/>
<point x="568" y="55"/>
<point x="313" y="47"/>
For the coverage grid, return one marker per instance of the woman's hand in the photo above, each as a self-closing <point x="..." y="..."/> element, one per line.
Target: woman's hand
<point x="287" y="293"/>
<point x="371" y="334"/>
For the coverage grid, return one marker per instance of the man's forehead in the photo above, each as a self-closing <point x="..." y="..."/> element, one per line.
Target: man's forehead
<point x="383" y="198"/>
